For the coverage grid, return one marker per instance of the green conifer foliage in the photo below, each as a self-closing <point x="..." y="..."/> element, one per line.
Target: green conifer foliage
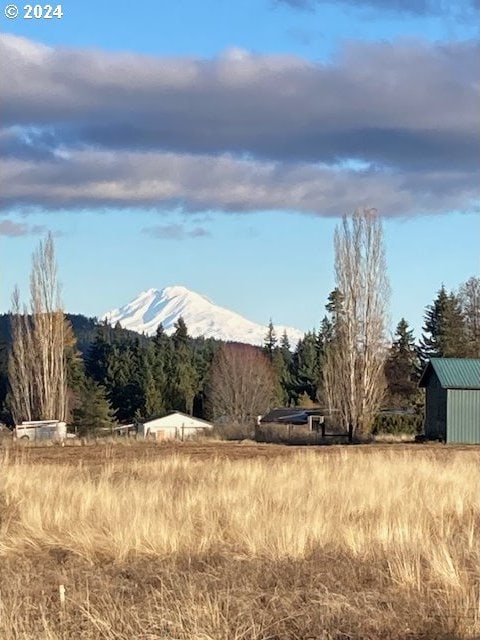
<point x="307" y="367"/>
<point x="184" y="379"/>
<point x="94" y="411"/>
<point x="402" y="368"/>
<point x="270" y="342"/>
<point x="445" y="333"/>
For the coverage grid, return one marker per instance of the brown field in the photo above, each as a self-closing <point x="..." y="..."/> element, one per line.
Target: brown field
<point x="222" y="541"/>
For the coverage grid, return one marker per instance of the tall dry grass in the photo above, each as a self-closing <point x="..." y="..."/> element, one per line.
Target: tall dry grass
<point x="383" y="542"/>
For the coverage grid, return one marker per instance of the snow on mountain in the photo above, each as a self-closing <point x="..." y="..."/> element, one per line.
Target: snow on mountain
<point x="202" y="317"/>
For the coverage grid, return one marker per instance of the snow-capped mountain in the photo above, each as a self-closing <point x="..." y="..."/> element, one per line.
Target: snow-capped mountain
<point x="202" y="317"/>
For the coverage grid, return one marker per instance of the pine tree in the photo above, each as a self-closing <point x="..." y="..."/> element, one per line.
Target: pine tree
<point x="270" y="342"/>
<point x="180" y="336"/>
<point x="445" y="333"/>
<point x="163" y="363"/>
<point x="335" y="308"/>
<point x="324" y="339"/>
<point x="184" y="379"/>
<point x="96" y="361"/>
<point x="275" y="356"/>
<point x="285" y="345"/>
<point x="118" y="382"/>
<point x="286" y="370"/>
<point x="306" y="367"/>
<point x="149" y="392"/>
<point x="94" y="411"/>
<point x="402" y="367"/>
<point x="204" y="350"/>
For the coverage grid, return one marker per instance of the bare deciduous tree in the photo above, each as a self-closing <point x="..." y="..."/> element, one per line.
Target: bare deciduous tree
<point x="470" y="301"/>
<point x="242" y="384"/>
<point x="37" y="363"/>
<point x="20" y="363"/>
<point x="355" y="358"/>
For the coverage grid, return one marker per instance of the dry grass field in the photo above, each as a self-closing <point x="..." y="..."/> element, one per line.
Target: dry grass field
<point x="240" y="542"/>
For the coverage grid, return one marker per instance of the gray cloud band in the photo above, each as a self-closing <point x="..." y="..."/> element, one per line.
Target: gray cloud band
<point x="455" y="8"/>
<point x="388" y="125"/>
<point x="18" y="229"/>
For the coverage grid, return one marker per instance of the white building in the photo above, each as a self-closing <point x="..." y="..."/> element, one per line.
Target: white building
<point x="174" y="425"/>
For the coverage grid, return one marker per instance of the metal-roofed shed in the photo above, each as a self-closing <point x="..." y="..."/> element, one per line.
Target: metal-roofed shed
<point x="452" y="404"/>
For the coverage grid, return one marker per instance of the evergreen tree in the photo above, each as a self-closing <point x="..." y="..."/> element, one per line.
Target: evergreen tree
<point x="324" y="339"/>
<point x="150" y="392"/>
<point x="123" y="383"/>
<point x="306" y="367"/>
<point x="285" y="368"/>
<point x="285" y="346"/>
<point x="110" y="363"/>
<point x="163" y="363"/>
<point x="204" y="350"/>
<point x="94" y="411"/>
<point x="402" y="368"/>
<point x="275" y="356"/>
<point x="270" y="342"/>
<point x="335" y="308"/>
<point x="180" y="336"/>
<point x="96" y="361"/>
<point x="184" y="379"/>
<point x="445" y="334"/>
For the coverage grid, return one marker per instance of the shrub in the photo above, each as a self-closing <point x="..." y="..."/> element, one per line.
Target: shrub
<point x="232" y="432"/>
<point x="398" y="423"/>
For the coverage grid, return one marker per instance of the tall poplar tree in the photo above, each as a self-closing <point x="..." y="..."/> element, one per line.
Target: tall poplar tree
<point x="354" y="370"/>
<point x="38" y="357"/>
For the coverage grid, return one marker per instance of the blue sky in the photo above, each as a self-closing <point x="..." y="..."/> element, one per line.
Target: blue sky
<point x="216" y="145"/>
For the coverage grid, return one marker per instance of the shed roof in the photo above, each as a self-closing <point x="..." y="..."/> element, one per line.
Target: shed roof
<point x="453" y="373"/>
<point x="170" y="414"/>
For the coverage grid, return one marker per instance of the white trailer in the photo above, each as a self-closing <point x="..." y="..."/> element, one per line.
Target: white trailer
<point x="35" y="430"/>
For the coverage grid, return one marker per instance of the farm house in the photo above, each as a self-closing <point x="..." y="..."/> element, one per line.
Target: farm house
<point x="174" y="425"/>
<point x="452" y="403"/>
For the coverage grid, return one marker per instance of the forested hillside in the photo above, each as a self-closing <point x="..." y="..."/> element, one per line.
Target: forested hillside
<point x="118" y="375"/>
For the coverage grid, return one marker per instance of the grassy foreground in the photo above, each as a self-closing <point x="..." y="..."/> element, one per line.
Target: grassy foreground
<point x="353" y="544"/>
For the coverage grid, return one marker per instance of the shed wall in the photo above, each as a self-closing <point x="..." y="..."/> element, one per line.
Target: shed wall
<point x="435" y="409"/>
<point x="164" y="432"/>
<point x="463" y="416"/>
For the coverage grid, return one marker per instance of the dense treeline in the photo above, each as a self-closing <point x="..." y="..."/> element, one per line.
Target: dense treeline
<point x="118" y="375"/>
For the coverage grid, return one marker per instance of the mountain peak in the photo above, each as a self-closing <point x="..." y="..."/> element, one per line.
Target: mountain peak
<point x="177" y="290"/>
<point x="202" y="317"/>
<point x="148" y="293"/>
